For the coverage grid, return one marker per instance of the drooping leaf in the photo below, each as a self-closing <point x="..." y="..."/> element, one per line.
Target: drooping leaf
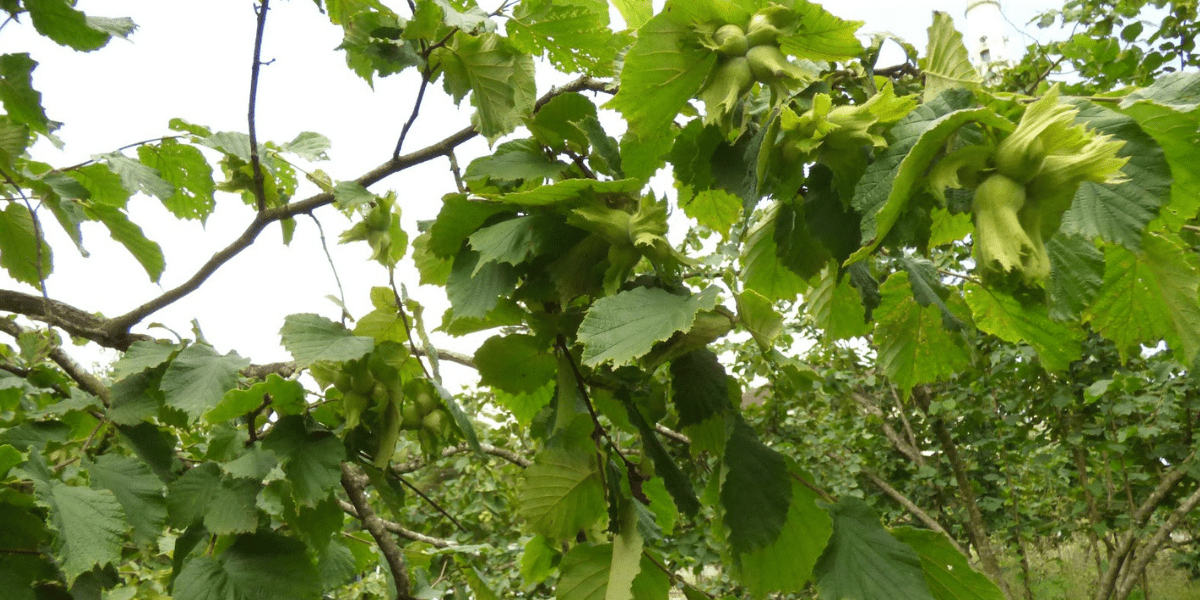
<point x="148" y="253"/>
<point x="700" y="394"/>
<point x="864" y="561"/>
<point x="914" y="346"/>
<point x="311" y="338"/>
<point x="138" y="177"/>
<point x="1000" y="314"/>
<point x="586" y="570"/>
<point x="626" y="556"/>
<point x="623" y="327"/>
<point x="22" y="103"/>
<point x="89" y="526"/>
<point x="475" y="288"/>
<point x="497" y="75"/>
<point x="198" y="378"/>
<point x="762" y="270"/>
<point x="185" y="168"/>
<point x="561" y="493"/>
<point x="662" y="71"/>
<point x="1149" y="296"/>
<point x="258" y="565"/>
<point x="671" y="476"/>
<point x="516" y="364"/>
<point x="59" y="21"/>
<point x="787" y="564"/>
<point x="311" y="460"/>
<point x="756" y="493"/>
<point x="25" y="255"/>
<point x="946" y="570"/>
<point x="140" y="493"/>
<point x="836" y="308"/>
<point x="1076" y="274"/>
<point x="716" y="209"/>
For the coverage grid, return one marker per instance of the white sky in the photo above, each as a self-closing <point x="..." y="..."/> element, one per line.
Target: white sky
<point x="192" y="60"/>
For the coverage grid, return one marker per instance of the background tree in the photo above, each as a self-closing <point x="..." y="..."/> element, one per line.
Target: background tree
<point x="997" y="261"/>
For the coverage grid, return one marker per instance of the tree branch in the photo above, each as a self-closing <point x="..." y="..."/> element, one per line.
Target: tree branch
<point x="911" y="507"/>
<point x="399" y="529"/>
<point x="121" y="325"/>
<point x="260" y="192"/>
<point x="1151" y="547"/>
<point x="86" y="381"/>
<point x="353" y="483"/>
<point x="419" y="462"/>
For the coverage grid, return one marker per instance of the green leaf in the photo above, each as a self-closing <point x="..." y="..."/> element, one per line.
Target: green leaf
<point x="537" y="562"/>
<point x="59" y="21"/>
<point x="568" y="190"/>
<point x="762" y="271"/>
<point x="140" y="493"/>
<point x="525" y="406"/>
<point x="260" y="565"/>
<point x="914" y="347"/>
<point x="199" y="377"/>
<point x="515" y="363"/>
<point x="1178" y="91"/>
<point x="1119" y="213"/>
<point x="457" y="220"/>
<point x="286" y="397"/>
<point x="311" y="460"/>
<point x="137" y="177"/>
<point x="224" y="504"/>
<point x="947" y="573"/>
<point x="1057" y="344"/>
<point x="148" y="253"/>
<point x="308" y="145"/>
<point x="561" y="493"/>
<point x="759" y="316"/>
<point x="515" y="161"/>
<point x="820" y="35"/>
<point x="26" y="258"/>
<point x="1076" y="274"/>
<point x="883" y="193"/>
<point x="623" y="327"/>
<point x="574" y="35"/>
<point x="947" y="64"/>
<point x="626" y="556"/>
<point x="662" y="71"/>
<point x="672" y="478"/>
<point x="586" y="570"/>
<point x="350" y="195"/>
<point x="22" y="103"/>
<point x="499" y="77"/>
<point x="864" y="561"/>
<point x="700" y="394"/>
<point x="103" y="186"/>
<point x="311" y="338"/>
<point x="478" y="586"/>
<point x="9" y="458"/>
<point x="513" y="241"/>
<point x="1176" y="135"/>
<point x="1150" y="296"/>
<point x="188" y="172"/>
<point x="474" y="289"/>
<point x="142" y="355"/>
<point x="717" y="210"/>
<point x="756" y="493"/>
<point x="836" y="308"/>
<point x="88" y="524"/>
<point x="787" y="564"/>
<point x="635" y="12"/>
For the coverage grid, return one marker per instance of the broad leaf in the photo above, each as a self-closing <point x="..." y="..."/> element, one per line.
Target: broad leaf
<point x="1076" y="274"/>
<point x="821" y="36"/>
<point x="913" y="344"/>
<point x="311" y="460"/>
<point x="198" y="378"/>
<point x="89" y="526"/>
<point x="499" y="77"/>
<point x="1150" y="296"/>
<point x="26" y="257"/>
<point x="142" y="355"/>
<point x="787" y="564"/>
<point x="623" y="327"/>
<point x="864" y="561"/>
<point x="586" y="570"/>
<point x="835" y="307"/>
<point x="311" y="338"/>
<point x="257" y="565"/>
<point x="946" y="570"/>
<point x="140" y="493"/>
<point x="517" y="364"/>
<point x="186" y="169"/>
<point x="756" y="493"/>
<point x="22" y="103"/>
<point x="561" y="493"/>
<point x="1057" y="344"/>
<point x="148" y="253"/>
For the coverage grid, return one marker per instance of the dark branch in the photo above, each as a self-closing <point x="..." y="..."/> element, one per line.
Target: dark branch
<point x="86" y="381"/>
<point x="412" y="118"/>
<point x="400" y="530"/>
<point x="354" y="483"/>
<point x="260" y="193"/>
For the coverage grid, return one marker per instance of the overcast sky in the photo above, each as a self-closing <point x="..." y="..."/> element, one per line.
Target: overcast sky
<point x="191" y="59"/>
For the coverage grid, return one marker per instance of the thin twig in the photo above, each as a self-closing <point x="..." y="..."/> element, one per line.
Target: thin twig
<point x="332" y="266"/>
<point x="430" y="501"/>
<point x="412" y="118"/>
<point x="85" y="163"/>
<point x="454" y="170"/>
<point x="581" y="385"/>
<point x="260" y="193"/>
<point x="404" y="317"/>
